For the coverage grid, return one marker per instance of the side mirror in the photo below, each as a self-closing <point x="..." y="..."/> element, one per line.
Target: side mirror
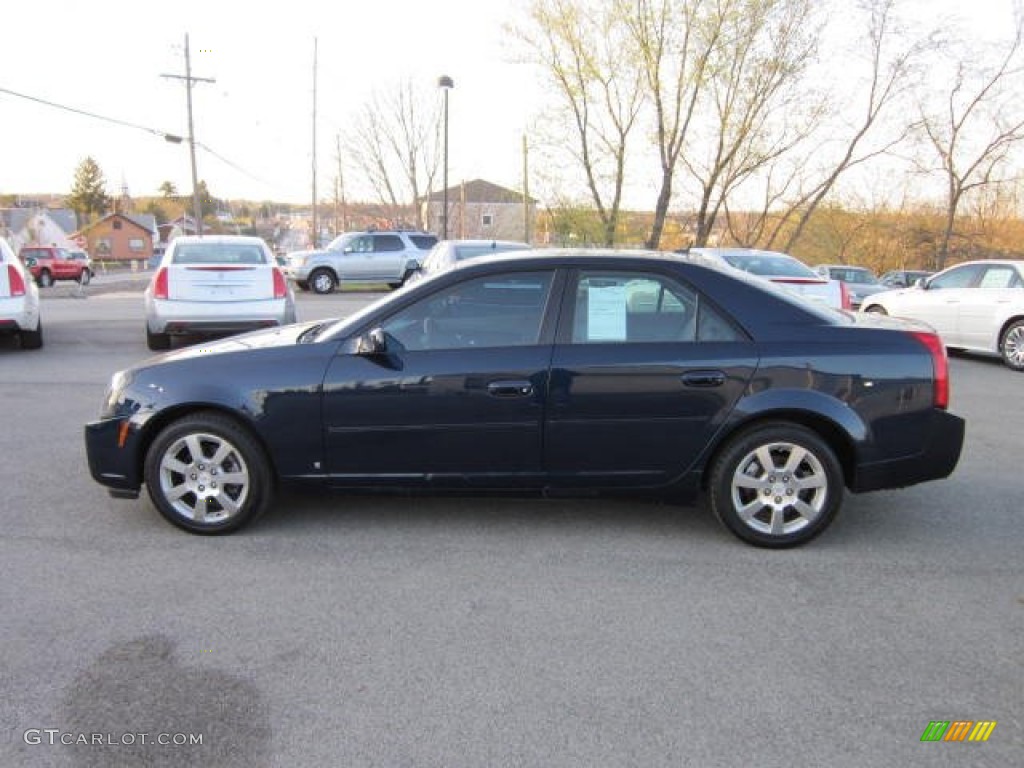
<point x="373" y="343"/>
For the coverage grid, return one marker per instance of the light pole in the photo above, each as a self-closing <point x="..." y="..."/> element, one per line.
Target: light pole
<point x="445" y="83"/>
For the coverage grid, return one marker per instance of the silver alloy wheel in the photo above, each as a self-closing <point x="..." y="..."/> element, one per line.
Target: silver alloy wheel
<point x="779" y="488"/>
<point x="322" y="282"/>
<point x="1013" y="346"/>
<point x="204" y="478"/>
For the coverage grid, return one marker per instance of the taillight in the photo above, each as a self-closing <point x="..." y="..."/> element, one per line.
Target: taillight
<point x="17" y="282"/>
<point x="280" y="284"/>
<point x="160" y="284"/>
<point x="940" y="366"/>
<point x="844" y="294"/>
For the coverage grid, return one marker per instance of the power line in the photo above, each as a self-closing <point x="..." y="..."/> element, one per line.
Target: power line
<point x="172" y="138"/>
<point x="167" y="136"/>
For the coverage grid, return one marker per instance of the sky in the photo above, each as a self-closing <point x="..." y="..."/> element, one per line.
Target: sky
<point x="108" y="57"/>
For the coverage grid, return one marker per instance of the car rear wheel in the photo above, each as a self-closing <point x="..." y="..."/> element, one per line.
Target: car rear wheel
<point x="776" y="485"/>
<point x="85" y="277"/>
<point x="45" y="279"/>
<point x="206" y="474"/>
<point x="32" y="339"/>
<point x="875" y="309"/>
<point x="1011" y="346"/>
<point x="322" y="281"/>
<point x="157" y="341"/>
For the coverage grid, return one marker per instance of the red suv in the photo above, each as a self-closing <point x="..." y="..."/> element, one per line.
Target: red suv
<point x="49" y="263"/>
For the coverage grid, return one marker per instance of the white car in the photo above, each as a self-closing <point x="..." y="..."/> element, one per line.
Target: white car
<point x="218" y="284"/>
<point x="780" y="268"/>
<point x="19" y="300"/>
<point x="976" y="306"/>
<point x="447" y="253"/>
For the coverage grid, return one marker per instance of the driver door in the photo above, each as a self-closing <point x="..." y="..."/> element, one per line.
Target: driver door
<point x="457" y="395"/>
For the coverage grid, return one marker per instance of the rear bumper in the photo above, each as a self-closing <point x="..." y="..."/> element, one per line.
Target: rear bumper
<point x="181" y="317"/>
<point x="18" y="314"/>
<point x="943" y="443"/>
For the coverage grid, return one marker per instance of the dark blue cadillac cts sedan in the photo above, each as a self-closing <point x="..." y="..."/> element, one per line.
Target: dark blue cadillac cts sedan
<point x="555" y="371"/>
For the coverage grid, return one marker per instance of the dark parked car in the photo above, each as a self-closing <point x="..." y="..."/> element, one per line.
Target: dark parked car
<point x="554" y="371"/>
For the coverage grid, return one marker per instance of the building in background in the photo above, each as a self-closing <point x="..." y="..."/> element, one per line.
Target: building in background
<point x="480" y="210"/>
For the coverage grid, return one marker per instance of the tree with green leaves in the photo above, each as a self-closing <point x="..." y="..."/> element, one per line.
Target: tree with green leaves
<point x="88" y="194"/>
<point x="168" y="189"/>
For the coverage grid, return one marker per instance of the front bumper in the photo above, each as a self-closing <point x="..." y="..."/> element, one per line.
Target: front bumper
<point x="943" y="442"/>
<point x="113" y="453"/>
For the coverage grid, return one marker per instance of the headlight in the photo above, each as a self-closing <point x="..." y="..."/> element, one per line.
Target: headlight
<point x="115" y="392"/>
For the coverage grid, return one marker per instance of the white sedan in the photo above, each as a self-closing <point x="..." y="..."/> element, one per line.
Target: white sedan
<point x="779" y="268"/>
<point x="19" y="300"/>
<point x="219" y="284"/>
<point x="976" y="306"/>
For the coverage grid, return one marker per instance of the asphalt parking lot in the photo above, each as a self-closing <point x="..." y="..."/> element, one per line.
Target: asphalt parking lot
<point x="397" y="631"/>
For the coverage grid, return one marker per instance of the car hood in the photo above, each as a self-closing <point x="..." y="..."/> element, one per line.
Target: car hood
<point x="283" y="336"/>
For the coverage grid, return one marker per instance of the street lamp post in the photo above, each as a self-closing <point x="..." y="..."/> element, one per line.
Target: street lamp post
<point x="445" y="83"/>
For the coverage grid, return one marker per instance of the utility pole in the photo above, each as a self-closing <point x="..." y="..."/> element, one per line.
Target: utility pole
<point x="316" y="243"/>
<point x="526" y="192"/>
<point x="197" y="209"/>
<point x="341" y="187"/>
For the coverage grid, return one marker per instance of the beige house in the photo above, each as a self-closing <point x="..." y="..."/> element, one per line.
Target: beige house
<point x="480" y="210"/>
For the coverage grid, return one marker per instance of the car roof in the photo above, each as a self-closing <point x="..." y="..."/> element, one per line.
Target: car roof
<point x="191" y="239"/>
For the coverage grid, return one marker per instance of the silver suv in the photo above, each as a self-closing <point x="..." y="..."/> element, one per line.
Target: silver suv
<point x="387" y="256"/>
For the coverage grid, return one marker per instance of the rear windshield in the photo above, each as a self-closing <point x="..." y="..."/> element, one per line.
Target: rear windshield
<point x="775" y="265"/>
<point x="424" y="242"/>
<point x="219" y="253"/>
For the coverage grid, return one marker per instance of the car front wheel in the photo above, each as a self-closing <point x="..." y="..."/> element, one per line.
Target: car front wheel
<point x="776" y="485"/>
<point x="322" y="281"/>
<point x="1011" y="346"/>
<point x="85" y="277"/>
<point x="206" y="474"/>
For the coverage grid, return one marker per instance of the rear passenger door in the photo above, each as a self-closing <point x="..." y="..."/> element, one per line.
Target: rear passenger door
<point x="644" y="371"/>
<point x="387" y="261"/>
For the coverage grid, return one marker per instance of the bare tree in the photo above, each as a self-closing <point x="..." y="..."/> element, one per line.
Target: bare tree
<point x="584" y="50"/>
<point x="979" y="122"/>
<point x="394" y="143"/>
<point x="755" y="110"/>
<point x="674" y="41"/>
<point x="890" y="65"/>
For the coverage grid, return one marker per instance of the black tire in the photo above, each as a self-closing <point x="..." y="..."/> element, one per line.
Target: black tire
<point x="32" y="339"/>
<point x="1011" y="346"/>
<point x="45" y="279"/>
<point x="184" y="467"/>
<point x="158" y="341"/>
<point x="784" y="505"/>
<point x="85" y="277"/>
<point x="302" y="285"/>
<point x="876" y="309"/>
<point x="323" y="281"/>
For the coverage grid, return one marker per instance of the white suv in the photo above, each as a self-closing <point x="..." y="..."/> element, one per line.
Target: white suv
<point x="386" y="256"/>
